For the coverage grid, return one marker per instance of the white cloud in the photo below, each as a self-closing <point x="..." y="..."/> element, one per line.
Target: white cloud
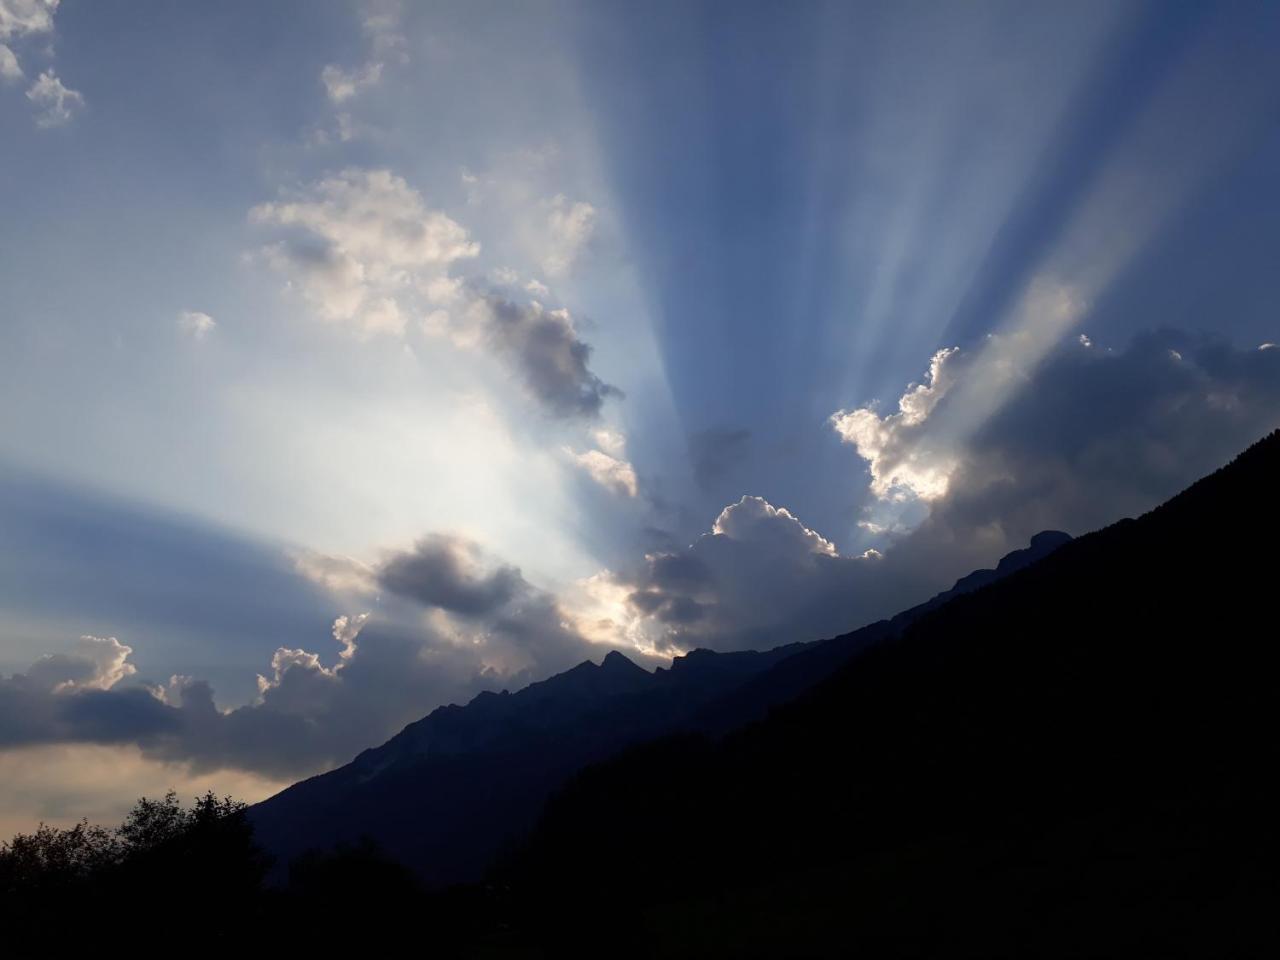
<point x="20" y="17"/>
<point x="538" y="289"/>
<point x="361" y="246"/>
<point x="346" y="630"/>
<point x="9" y="68"/>
<point x="902" y="465"/>
<point x="98" y="663"/>
<point x="610" y="472"/>
<point x="196" y="324"/>
<point x="756" y="520"/>
<point x="57" y="103"/>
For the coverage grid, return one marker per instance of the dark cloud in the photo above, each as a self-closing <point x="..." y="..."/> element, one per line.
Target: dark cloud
<point x="485" y="628"/>
<point x="1097" y="434"/>
<point x="547" y="353"/>
<point x="69" y="697"/>
<point x="443" y="571"/>
<point x="1093" y="435"/>
<point x="758" y="579"/>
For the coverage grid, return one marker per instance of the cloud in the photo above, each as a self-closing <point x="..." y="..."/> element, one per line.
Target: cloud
<point x="1091" y="434"/>
<point x="1095" y="434"/>
<point x="337" y="575"/>
<point x="759" y="578"/>
<point x="57" y="103"/>
<point x="345" y="630"/>
<point x="1086" y="436"/>
<point x="99" y="663"/>
<point x="543" y="347"/>
<point x="341" y="85"/>
<point x="901" y="462"/>
<point x="73" y="697"/>
<point x="380" y="20"/>
<point x="195" y="324"/>
<point x="9" y="67"/>
<point x="611" y="473"/>
<point x="21" y="17"/>
<point x="446" y="572"/>
<point x="570" y="226"/>
<point x="363" y="248"/>
<point x="313" y="711"/>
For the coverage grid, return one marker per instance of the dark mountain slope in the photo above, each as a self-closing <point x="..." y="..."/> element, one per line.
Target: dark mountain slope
<point x="450" y="791"/>
<point x="1076" y="760"/>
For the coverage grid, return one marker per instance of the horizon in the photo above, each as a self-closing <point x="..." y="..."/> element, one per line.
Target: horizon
<point x="363" y="356"/>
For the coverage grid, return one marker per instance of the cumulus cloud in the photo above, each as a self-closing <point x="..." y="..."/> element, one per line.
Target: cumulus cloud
<point x="361" y="245"/>
<point x="758" y="578"/>
<point x="98" y="663"/>
<point x="195" y="324"/>
<point x="1086" y="436"/>
<point x="346" y="629"/>
<point x="901" y="460"/>
<point x="545" y="350"/>
<point x="57" y="103"/>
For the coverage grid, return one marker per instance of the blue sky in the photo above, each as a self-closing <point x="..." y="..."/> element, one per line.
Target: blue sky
<point x="536" y="330"/>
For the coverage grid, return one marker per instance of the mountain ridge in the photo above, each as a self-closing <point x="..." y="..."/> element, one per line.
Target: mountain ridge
<point x="541" y="734"/>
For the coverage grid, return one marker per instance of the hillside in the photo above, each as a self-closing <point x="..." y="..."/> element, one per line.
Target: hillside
<point x="1075" y="760"/>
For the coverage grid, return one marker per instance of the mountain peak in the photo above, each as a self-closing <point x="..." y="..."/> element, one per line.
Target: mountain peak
<point x="614" y="660"/>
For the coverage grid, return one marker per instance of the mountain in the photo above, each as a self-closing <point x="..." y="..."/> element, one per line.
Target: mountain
<point x="1075" y="759"/>
<point x="453" y="790"/>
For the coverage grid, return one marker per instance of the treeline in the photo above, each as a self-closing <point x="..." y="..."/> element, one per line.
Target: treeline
<point x="191" y="880"/>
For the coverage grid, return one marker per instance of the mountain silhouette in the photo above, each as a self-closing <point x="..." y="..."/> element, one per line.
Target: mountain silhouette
<point x="1075" y="758"/>
<point x="455" y="789"/>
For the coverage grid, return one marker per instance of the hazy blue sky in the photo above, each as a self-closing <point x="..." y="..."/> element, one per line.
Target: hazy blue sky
<point x="515" y="332"/>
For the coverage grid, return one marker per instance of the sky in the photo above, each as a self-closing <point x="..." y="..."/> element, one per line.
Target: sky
<point x="360" y="356"/>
